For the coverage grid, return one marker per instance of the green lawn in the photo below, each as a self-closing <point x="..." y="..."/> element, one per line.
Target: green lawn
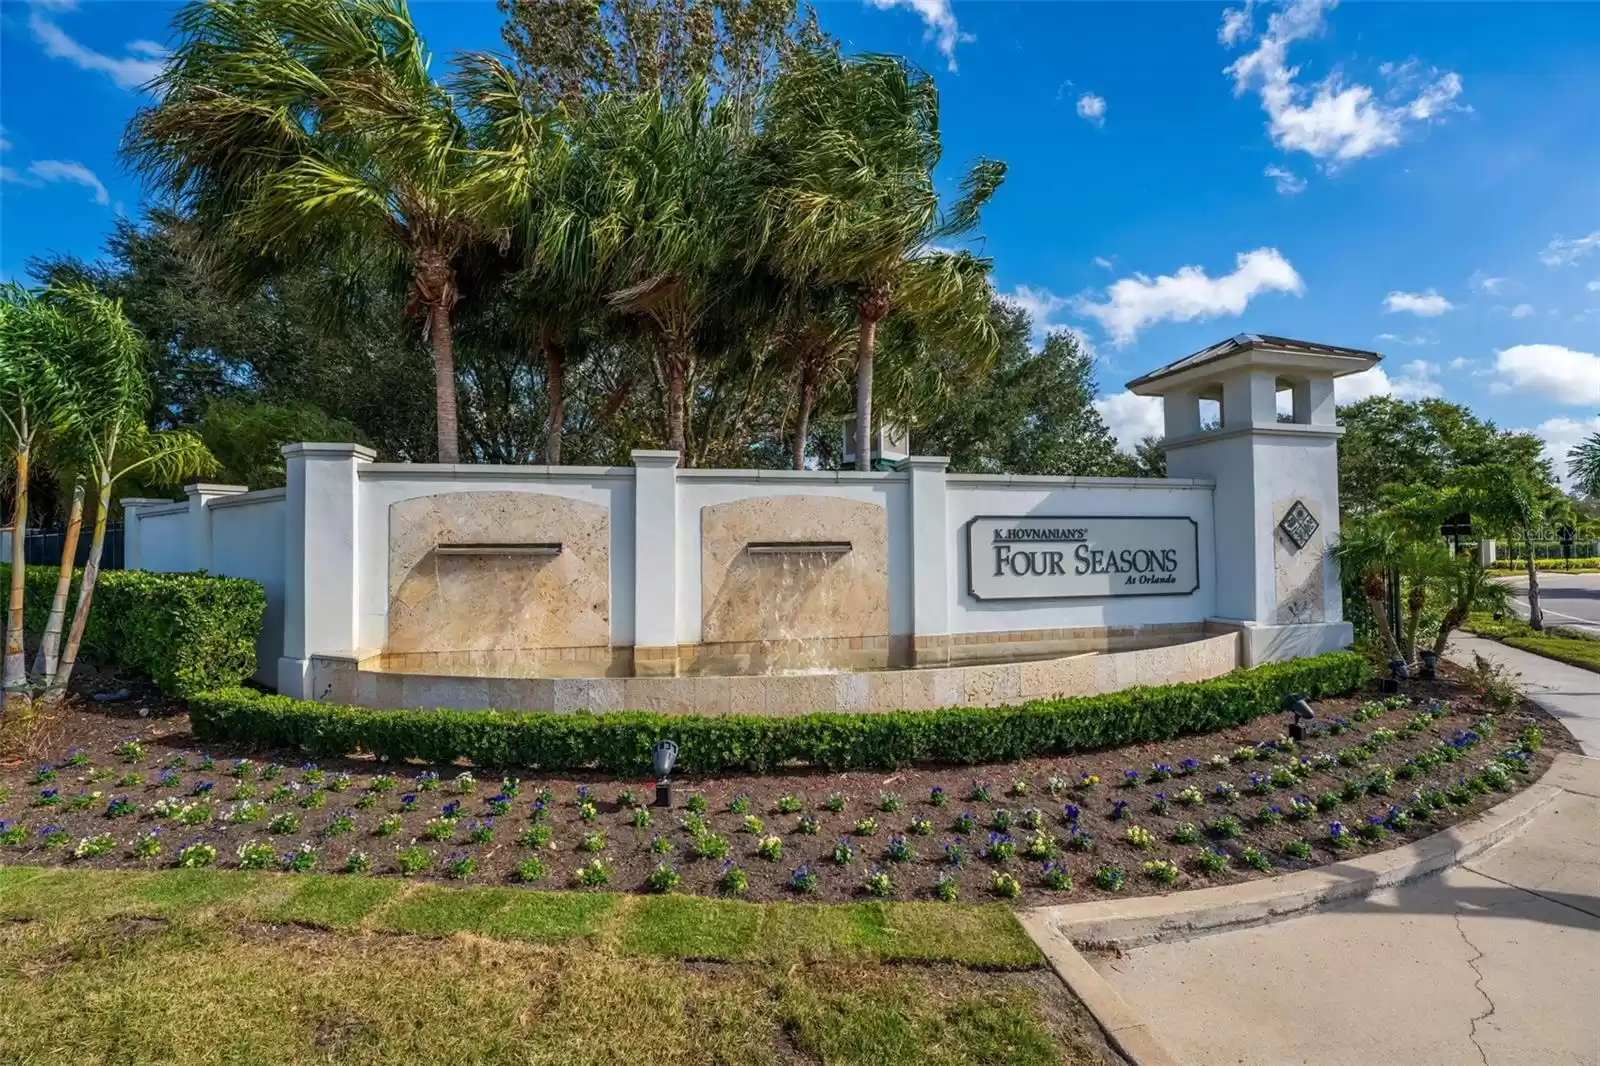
<point x="185" y="967"/>
<point x="1569" y="646"/>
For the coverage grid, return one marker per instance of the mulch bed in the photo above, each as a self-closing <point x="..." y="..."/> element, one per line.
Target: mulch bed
<point x="173" y="771"/>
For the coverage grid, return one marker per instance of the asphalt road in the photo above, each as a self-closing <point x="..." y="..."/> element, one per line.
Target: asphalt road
<point x="1567" y="599"/>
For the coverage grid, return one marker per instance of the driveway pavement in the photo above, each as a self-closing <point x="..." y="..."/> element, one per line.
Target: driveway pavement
<point x="1495" y="962"/>
<point x="1571" y="600"/>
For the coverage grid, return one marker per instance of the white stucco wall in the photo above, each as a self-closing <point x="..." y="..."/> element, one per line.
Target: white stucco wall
<point x="247" y="540"/>
<point x="165" y="544"/>
<point x="971" y="495"/>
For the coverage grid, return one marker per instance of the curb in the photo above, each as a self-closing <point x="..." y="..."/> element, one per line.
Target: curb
<point x="1147" y="919"/>
<point x="1125" y="1030"/>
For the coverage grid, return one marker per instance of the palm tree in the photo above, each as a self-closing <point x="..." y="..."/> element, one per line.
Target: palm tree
<point x="292" y="127"/>
<point x="855" y="142"/>
<point x="35" y="401"/>
<point x="1583" y="466"/>
<point x="671" y="202"/>
<point x="105" y="368"/>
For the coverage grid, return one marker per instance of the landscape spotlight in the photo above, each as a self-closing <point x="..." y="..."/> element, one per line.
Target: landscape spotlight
<point x="1296" y="705"/>
<point x="1430" y="666"/>
<point x="1398" y="672"/>
<point x="665" y="756"/>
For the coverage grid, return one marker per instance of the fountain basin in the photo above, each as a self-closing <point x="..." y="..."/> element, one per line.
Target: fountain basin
<point x="375" y="681"/>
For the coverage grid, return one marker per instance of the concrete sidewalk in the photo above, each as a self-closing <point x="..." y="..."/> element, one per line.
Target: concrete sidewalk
<point x="1496" y="962"/>
<point x="1570" y="693"/>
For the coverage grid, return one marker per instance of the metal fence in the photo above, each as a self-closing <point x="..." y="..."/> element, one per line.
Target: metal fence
<point x="43" y="548"/>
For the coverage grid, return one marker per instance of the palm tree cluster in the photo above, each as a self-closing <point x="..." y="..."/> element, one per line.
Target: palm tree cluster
<point x="705" y="201"/>
<point x="73" y="397"/>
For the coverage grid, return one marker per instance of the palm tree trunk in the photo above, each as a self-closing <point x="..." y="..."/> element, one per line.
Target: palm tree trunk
<point x="555" y="361"/>
<point x="802" y="421"/>
<point x="15" y="675"/>
<point x="444" y="379"/>
<point x="1535" y="612"/>
<point x="675" y="403"/>
<point x="871" y="305"/>
<point x="80" y="614"/>
<point x="865" y="345"/>
<point x="44" y="664"/>
<point x="1416" y="601"/>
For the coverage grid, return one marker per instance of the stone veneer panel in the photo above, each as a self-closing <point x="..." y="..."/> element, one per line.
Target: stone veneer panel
<point x="484" y="603"/>
<point x="774" y="599"/>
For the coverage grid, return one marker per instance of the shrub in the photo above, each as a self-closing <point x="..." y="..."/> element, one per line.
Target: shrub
<point x="186" y="632"/>
<point x="620" y="743"/>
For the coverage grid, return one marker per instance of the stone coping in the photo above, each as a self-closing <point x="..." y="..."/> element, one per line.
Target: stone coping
<point x="346" y="680"/>
<point x="1141" y="920"/>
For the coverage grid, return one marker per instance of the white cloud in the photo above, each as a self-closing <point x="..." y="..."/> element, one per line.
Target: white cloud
<point x="1092" y="108"/>
<point x="53" y="170"/>
<point x="1041" y="305"/>
<point x="1331" y="120"/>
<point x="1594" y="286"/>
<point x="1564" y="251"/>
<point x="1416" y="340"/>
<point x="1459" y="363"/>
<point x="1235" y="26"/>
<point x="1425" y="304"/>
<point x="1131" y="418"/>
<point x="940" y="20"/>
<point x="1522" y="311"/>
<point x="1287" y="182"/>
<point x="1415" y="381"/>
<point x="1104" y="263"/>
<point x="1136" y="302"/>
<point x="1488" y="286"/>
<point x="1560" y="436"/>
<point x="129" y="72"/>
<point x="1550" y="370"/>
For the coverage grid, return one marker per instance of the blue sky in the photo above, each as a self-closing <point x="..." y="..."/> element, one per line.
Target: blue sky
<point x="1422" y="179"/>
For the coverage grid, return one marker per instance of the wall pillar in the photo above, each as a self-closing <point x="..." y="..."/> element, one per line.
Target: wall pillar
<point x="931" y="594"/>
<point x="655" y="564"/>
<point x="1276" y="501"/>
<point x="200" y="520"/>
<point x="320" y="564"/>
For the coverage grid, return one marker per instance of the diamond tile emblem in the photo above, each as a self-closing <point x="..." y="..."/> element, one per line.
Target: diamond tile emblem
<point x="1299" y="525"/>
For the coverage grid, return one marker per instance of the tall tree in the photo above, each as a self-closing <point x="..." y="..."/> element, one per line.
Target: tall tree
<point x="1398" y="442"/>
<point x="1033" y="410"/>
<point x="669" y="179"/>
<point x="856" y="141"/>
<point x="291" y="126"/>
<point x="103" y="366"/>
<point x="36" y="399"/>
<point x="1583" y="466"/>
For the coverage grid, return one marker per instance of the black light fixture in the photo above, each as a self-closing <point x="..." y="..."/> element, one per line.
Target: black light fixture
<point x="1297" y="705"/>
<point x="1398" y="672"/>
<point x="665" y="756"/>
<point x="1429" y="663"/>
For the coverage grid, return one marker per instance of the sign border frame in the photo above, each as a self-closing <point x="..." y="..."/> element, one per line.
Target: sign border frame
<point x="972" y="592"/>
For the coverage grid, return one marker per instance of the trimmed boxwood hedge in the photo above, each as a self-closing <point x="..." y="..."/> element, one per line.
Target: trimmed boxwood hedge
<point x="619" y="743"/>
<point x="185" y="632"/>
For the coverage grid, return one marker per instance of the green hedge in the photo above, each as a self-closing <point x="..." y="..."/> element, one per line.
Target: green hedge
<point x="186" y="632"/>
<point x="620" y="743"/>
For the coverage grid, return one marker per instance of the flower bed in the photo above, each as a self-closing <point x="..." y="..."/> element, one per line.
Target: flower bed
<point x="1148" y="818"/>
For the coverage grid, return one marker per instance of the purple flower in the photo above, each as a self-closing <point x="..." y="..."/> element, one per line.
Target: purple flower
<point x="1336" y="830"/>
<point x="1071" y="812"/>
<point x="450" y="809"/>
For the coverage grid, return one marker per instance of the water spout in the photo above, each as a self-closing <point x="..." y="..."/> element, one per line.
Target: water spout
<point x="799" y="547"/>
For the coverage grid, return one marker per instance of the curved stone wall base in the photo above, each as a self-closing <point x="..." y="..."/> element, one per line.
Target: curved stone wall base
<point x="351" y="681"/>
